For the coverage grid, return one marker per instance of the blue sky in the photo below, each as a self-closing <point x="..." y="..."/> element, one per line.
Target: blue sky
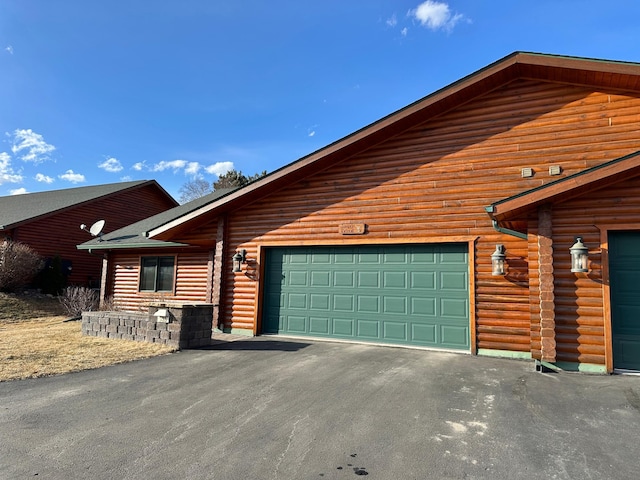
<point x="100" y="92"/>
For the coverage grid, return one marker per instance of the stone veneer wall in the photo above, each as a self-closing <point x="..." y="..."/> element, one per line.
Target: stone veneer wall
<point x="184" y="326"/>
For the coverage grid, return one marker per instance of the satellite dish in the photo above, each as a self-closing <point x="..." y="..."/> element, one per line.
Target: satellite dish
<point x="96" y="228"/>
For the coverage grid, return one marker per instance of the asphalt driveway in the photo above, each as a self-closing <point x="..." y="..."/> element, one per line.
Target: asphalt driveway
<point x="263" y="408"/>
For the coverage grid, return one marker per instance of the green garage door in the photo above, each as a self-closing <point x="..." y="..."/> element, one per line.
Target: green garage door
<point x="406" y="294"/>
<point x="624" y="267"/>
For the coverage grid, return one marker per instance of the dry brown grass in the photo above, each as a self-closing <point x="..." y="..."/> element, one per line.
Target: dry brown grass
<point x="36" y="341"/>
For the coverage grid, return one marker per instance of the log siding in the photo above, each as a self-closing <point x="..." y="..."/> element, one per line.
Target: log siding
<point x="191" y="279"/>
<point x="435" y="180"/>
<point x="59" y="233"/>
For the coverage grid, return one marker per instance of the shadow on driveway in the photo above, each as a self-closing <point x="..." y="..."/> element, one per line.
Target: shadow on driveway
<point x="256" y="345"/>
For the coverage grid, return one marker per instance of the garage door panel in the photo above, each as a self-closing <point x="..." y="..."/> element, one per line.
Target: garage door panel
<point x="368" y="329"/>
<point x="453" y="256"/>
<point x="345" y="258"/>
<point x="320" y="258"/>
<point x="343" y="327"/>
<point x="343" y="279"/>
<point x="453" y="308"/>
<point x="454" y="281"/>
<point x="321" y="278"/>
<point x="426" y="258"/>
<point x="319" y="325"/>
<point x="397" y="258"/>
<point x="298" y="259"/>
<point x="424" y="333"/>
<point x="368" y="304"/>
<point x="395" y="305"/>
<point x="423" y="280"/>
<point x="297" y="301"/>
<point x="423" y="306"/>
<point x="454" y="337"/>
<point x="319" y="301"/>
<point x="343" y="303"/>
<point x="298" y="279"/>
<point x="395" y="331"/>
<point x="368" y="279"/>
<point x="394" y="280"/>
<point x="296" y="324"/>
<point x="387" y="293"/>
<point x="373" y="258"/>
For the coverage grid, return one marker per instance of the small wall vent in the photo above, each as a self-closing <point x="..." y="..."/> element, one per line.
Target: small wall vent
<point x="527" y="172"/>
<point x="555" y="170"/>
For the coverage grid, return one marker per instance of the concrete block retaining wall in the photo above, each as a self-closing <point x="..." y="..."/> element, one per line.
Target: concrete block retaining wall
<point x="176" y="325"/>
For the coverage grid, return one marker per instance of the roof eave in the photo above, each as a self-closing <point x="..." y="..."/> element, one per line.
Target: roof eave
<point x="480" y="82"/>
<point x="98" y="246"/>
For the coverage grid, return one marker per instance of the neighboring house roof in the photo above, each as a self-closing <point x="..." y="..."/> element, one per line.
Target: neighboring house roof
<point x="563" y="189"/>
<point x="612" y="75"/>
<point x="136" y="234"/>
<point x="16" y="210"/>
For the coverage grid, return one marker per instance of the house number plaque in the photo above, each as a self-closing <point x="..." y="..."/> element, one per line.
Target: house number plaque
<point x="352" y="228"/>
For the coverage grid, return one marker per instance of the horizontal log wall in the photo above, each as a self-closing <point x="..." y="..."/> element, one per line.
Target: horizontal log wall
<point x="436" y="179"/>
<point x="192" y="273"/>
<point x="580" y="328"/>
<point x="58" y="234"/>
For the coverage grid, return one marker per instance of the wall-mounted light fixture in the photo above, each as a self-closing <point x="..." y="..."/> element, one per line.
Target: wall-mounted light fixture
<point x="239" y="258"/>
<point x="579" y="256"/>
<point x="498" y="260"/>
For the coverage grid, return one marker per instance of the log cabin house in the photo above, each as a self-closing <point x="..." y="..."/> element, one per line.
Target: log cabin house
<point x="49" y="222"/>
<point x="498" y="216"/>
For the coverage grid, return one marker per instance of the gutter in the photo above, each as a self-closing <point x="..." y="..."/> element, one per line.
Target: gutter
<point x="132" y="245"/>
<point x="507" y="231"/>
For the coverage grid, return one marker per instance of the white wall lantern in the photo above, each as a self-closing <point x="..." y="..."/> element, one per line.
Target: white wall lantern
<point x="239" y="258"/>
<point x="498" y="261"/>
<point x="579" y="257"/>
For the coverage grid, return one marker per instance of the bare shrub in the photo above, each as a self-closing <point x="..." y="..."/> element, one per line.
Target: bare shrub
<point x="109" y="305"/>
<point x="19" y="264"/>
<point x="75" y="300"/>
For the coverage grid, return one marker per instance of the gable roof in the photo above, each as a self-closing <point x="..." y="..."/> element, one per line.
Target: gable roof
<point x="16" y="210"/>
<point x="611" y="75"/>
<point x="136" y="234"/>
<point x="568" y="187"/>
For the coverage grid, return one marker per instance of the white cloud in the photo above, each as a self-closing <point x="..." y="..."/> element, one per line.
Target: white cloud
<point x="312" y="133"/>
<point x="7" y="175"/>
<point x="192" y="168"/>
<point x="18" y="191"/>
<point x="9" y="49"/>
<point x="174" y="165"/>
<point x="44" y="178"/>
<point x="126" y="178"/>
<point x="138" y="166"/>
<point x="404" y="31"/>
<point x="30" y="146"/>
<point x="72" y="177"/>
<point x="392" y="21"/>
<point x="435" y="15"/>
<point x="111" y="164"/>
<point x="219" y="168"/>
